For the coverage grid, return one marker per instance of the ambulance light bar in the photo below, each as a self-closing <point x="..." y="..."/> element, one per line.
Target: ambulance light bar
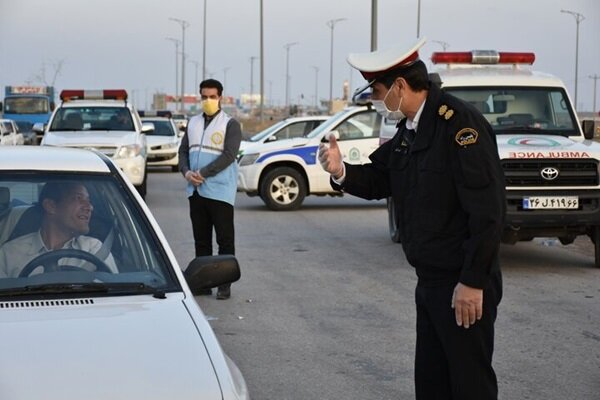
<point x="111" y="94"/>
<point x="482" y="57"/>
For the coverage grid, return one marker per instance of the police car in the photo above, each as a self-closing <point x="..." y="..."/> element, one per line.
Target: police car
<point x="105" y="121"/>
<point x="551" y="166"/>
<point x="289" y="128"/>
<point x="163" y="142"/>
<point x="284" y="172"/>
<point x="82" y="330"/>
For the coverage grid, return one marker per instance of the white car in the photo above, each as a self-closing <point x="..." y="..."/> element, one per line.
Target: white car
<point x="163" y="143"/>
<point x="73" y="330"/>
<point x="289" y="128"/>
<point x="9" y="133"/>
<point x="284" y="172"/>
<point x="103" y="120"/>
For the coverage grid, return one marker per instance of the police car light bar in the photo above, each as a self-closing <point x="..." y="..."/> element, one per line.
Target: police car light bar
<point x="111" y="94"/>
<point x="482" y="57"/>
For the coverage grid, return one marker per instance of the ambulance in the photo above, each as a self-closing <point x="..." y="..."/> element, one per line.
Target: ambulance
<point x="551" y="164"/>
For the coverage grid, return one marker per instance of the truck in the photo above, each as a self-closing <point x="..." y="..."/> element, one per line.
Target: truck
<point x="551" y="164"/>
<point x="33" y="104"/>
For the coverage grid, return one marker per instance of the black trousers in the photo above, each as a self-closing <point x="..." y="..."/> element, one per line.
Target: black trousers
<point x="207" y="214"/>
<point x="454" y="363"/>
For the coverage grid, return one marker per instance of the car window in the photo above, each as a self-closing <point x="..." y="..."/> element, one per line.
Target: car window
<point x="161" y="127"/>
<point x="92" y="119"/>
<point x="8" y="128"/>
<point x="363" y="125"/>
<point x="295" y="130"/>
<point x="104" y="221"/>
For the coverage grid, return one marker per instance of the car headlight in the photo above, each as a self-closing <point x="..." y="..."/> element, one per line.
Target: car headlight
<point x="169" y="146"/>
<point x="249" y="159"/>
<point x="129" y="151"/>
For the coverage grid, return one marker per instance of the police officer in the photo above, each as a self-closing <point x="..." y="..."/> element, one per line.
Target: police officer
<point x="443" y="172"/>
<point x="207" y="157"/>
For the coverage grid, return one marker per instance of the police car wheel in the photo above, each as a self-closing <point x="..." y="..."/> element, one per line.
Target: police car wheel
<point x="283" y="189"/>
<point x="393" y="221"/>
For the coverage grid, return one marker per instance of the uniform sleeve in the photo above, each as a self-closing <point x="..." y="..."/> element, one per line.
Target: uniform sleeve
<point x="368" y="181"/>
<point x="480" y="188"/>
<point x="184" y="153"/>
<point x="233" y="137"/>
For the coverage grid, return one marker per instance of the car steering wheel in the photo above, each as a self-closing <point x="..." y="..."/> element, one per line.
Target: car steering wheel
<point x="49" y="262"/>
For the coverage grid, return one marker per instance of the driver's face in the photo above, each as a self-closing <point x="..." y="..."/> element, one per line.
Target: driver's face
<point x="75" y="210"/>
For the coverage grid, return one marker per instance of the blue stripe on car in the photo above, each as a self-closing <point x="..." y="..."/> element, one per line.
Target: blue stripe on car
<point x="308" y="154"/>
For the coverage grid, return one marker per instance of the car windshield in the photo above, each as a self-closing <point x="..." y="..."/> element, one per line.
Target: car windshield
<point x="327" y="124"/>
<point x="543" y="111"/>
<point x="162" y="127"/>
<point x="63" y="232"/>
<point x="26" y="105"/>
<point x="24" y="126"/>
<point x="92" y="119"/>
<point x="267" y="132"/>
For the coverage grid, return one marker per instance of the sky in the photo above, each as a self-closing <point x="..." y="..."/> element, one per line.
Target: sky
<point x="123" y="43"/>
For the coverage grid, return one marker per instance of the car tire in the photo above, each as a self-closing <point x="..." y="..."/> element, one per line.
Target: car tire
<point x="283" y="189"/>
<point x="393" y="221"/>
<point x="144" y="186"/>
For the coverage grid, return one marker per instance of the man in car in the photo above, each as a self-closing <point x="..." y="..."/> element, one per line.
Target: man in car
<point x="121" y="121"/>
<point x="443" y="172"/>
<point x="66" y="214"/>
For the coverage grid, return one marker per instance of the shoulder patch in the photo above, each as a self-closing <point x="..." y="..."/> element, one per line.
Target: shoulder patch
<point x="466" y="136"/>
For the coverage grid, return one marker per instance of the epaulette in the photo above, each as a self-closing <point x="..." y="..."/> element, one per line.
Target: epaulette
<point x="445" y="112"/>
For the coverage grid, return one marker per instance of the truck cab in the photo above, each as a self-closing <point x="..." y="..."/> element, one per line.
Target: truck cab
<point x="33" y="104"/>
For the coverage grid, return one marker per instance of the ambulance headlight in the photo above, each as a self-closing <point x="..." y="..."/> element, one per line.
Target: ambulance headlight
<point x="129" y="151"/>
<point x="249" y="159"/>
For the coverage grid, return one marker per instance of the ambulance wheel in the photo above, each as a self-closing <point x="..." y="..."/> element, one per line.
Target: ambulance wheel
<point x="393" y="221"/>
<point x="283" y="189"/>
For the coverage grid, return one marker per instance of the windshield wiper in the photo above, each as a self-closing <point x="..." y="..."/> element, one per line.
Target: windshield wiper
<point x="58" y="288"/>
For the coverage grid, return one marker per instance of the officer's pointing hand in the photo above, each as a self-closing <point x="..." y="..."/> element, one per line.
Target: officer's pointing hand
<point x="330" y="157"/>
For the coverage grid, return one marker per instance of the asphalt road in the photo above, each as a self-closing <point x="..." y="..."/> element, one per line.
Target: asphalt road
<point x="325" y="305"/>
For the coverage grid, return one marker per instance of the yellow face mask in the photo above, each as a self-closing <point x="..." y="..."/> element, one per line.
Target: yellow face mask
<point x="210" y="106"/>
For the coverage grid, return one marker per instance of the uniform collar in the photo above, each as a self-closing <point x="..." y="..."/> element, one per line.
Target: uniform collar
<point x="427" y="126"/>
<point x="414" y="123"/>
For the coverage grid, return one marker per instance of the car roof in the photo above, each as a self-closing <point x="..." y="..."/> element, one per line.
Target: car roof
<point x="95" y="103"/>
<point x="48" y="158"/>
<point x="308" y="118"/>
<point x="495" y="76"/>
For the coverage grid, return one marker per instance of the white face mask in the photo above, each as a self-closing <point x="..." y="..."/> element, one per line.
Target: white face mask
<point x="385" y="112"/>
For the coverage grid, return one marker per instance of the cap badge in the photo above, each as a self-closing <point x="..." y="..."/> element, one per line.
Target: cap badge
<point x="466" y="136"/>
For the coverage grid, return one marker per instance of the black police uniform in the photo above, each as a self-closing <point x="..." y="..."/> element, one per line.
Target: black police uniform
<point x="448" y="187"/>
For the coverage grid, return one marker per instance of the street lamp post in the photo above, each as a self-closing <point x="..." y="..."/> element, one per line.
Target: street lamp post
<point x="418" y="18"/>
<point x="184" y="24"/>
<point x="204" y="45"/>
<point x="176" y="41"/>
<point x="316" y="86"/>
<point x="595" y="77"/>
<point x="287" y="71"/>
<point x="196" y="64"/>
<point x="373" y="25"/>
<point x="225" y="76"/>
<point x="578" y="18"/>
<point x="262" y="65"/>
<point x="331" y="24"/>
<point x="252" y="80"/>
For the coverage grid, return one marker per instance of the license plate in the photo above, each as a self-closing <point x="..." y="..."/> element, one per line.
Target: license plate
<point x="550" y="202"/>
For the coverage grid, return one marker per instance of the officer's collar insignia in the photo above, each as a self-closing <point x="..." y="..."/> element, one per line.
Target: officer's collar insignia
<point x="448" y="114"/>
<point x="466" y="136"/>
<point x="442" y="110"/>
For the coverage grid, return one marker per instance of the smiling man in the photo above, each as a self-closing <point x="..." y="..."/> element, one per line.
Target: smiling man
<point x="66" y="214"/>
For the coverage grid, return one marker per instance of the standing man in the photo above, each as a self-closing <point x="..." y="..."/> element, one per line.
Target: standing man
<point x="207" y="157"/>
<point x="443" y="172"/>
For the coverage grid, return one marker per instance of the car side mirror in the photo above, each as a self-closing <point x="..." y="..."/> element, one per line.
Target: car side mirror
<point x="271" y="139"/>
<point x="147" y="127"/>
<point x="38" y="127"/>
<point x="182" y="128"/>
<point x="588" y="129"/>
<point x="328" y="135"/>
<point x="211" y="271"/>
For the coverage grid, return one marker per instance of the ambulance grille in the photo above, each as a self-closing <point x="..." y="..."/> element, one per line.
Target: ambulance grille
<point x="45" y="303"/>
<point x="570" y="172"/>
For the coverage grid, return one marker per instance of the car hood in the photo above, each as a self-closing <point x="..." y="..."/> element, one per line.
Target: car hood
<point x="95" y="349"/>
<point x="89" y="138"/>
<point x="545" y="146"/>
<point x="277" y="145"/>
<point x="158" y="140"/>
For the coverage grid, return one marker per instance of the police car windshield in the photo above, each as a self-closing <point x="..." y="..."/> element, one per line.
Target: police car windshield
<point x="327" y="124"/>
<point x="92" y="119"/>
<point x="267" y="132"/>
<point x="162" y="127"/>
<point x="508" y="110"/>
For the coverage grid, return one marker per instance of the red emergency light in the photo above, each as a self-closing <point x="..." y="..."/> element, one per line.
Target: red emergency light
<point x="482" y="57"/>
<point x="109" y="94"/>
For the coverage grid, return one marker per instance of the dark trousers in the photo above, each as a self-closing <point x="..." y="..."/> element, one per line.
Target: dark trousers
<point x="454" y="363"/>
<point x="207" y="214"/>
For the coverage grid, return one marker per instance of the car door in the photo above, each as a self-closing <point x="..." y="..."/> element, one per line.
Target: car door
<point x="5" y="136"/>
<point x="19" y="139"/>
<point x="359" y="136"/>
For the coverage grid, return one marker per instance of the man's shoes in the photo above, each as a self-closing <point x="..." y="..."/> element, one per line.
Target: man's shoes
<point x="223" y="293"/>
<point x="203" y="292"/>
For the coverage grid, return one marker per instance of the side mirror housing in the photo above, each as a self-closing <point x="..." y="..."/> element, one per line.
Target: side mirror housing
<point x="182" y="128"/>
<point x="211" y="271"/>
<point x="147" y="127"/>
<point x="588" y="128"/>
<point x="38" y="127"/>
<point x="328" y="135"/>
<point x="271" y="139"/>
